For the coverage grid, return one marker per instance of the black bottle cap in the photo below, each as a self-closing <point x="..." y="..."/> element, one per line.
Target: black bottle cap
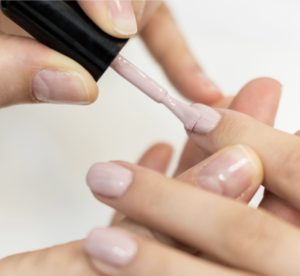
<point x="64" y="27"/>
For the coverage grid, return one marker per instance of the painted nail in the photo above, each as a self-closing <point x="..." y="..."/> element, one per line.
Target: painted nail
<point x="111" y="246"/>
<point x="208" y="119"/>
<point x="123" y="17"/>
<point x="59" y="87"/>
<point x="231" y="172"/>
<point x="109" y="179"/>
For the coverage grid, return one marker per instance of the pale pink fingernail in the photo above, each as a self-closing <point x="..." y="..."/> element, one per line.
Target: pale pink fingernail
<point x="109" y="179"/>
<point x="208" y="119"/>
<point x="59" y="87"/>
<point x="111" y="246"/>
<point x="123" y="17"/>
<point x="229" y="173"/>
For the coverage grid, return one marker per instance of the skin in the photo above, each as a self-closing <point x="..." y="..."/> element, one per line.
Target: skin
<point x="26" y="66"/>
<point x="237" y="236"/>
<point x="157" y="159"/>
<point x="25" y="57"/>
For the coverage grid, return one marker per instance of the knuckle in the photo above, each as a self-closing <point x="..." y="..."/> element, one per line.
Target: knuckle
<point x="250" y="234"/>
<point x="147" y="205"/>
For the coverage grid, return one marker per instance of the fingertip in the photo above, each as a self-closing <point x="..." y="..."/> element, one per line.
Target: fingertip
<point x="260" y="99"/>
<point x="114" y="17"/>
<point x="257" y="174"/>
<point x="234" y="171"/>
<point x="44" y="75"/>
<point x="193" y="83"/>
<point x="110" y="249"/>
<point x="267" y="82"/>
<point x="157" y="157"/>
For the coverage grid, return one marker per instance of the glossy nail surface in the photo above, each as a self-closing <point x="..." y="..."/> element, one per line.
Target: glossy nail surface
<point x="59" y="87"/>
<point x="111" y="246"/>
<point x="207" y="120"/>
<point x="230" y="172"/>
<point x="109" y="179"/>
<point x="123" y="17"/>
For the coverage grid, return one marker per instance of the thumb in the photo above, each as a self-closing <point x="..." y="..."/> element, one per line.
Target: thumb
<point x="31" y="72"/>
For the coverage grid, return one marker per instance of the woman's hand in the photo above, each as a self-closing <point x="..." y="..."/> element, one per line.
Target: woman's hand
<point x="253" y="226"/>
<point x="259" y="99"/>
<point x="222" y="229"/>
<point x="32" y="72"/>
<point x="71" y="259"/>
<point x="153" y="19"/>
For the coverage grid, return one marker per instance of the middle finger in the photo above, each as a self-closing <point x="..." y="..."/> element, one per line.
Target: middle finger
<point x="218" y="226"/>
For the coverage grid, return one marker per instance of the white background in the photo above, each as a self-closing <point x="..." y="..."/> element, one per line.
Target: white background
<point x="46" y="150"/>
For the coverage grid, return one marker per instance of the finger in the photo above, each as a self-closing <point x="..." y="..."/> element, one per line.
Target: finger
<point x="116" y="252"/>
<point x="66" y="259"/>
<point x="161" y="32"/>
<point x="191" y="155"/>
<point x="280" y="207"/>
<point x="157" y="158"/>
<point x="278" y="151"/>
<point x="260" y="101"/>
<point x="31" y="72"/>
<point x="9" y="27"/>
<point x="234" y="172"/>
<point x="116" y="17"/>
<point x="218" y="226"/>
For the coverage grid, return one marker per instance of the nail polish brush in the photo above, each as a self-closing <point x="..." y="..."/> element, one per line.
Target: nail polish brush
<point x="64" y="27"/>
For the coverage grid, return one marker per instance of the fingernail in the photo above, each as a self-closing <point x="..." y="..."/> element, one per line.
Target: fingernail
<point x="109" y="179"/>
<point x="59" y="87"/>
<point x="208" y="119"/>
<point x="230" y="173"/>
<point x="111" y="246"/>
<point x="123" y="17"/>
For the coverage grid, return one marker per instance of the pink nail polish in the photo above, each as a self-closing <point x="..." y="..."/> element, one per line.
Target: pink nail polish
<point x="59" y="87"/>
<point x="111" y="246"/>
<point x="123" y="17"/>
<point x="109" y="179"/>
<point x="229" y="173"/>
<point x="208" y="119"/>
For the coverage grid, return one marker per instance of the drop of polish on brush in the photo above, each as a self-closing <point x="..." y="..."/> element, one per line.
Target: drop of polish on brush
<point x="189" y="115"/>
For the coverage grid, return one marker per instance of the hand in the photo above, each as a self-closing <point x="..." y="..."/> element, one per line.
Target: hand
<point x="43" y="75"/>
<point x="260" y="100"/>
<point x="226" y="230"/>
<point x="153" y="19"/>
<point x="259" y="224"/>
<point x="72" y="256"/>
<point x="71" y="259"/>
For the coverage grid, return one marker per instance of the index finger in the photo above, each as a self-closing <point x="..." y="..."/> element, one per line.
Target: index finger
<point x="166" y="43"/>
<point x="279" y="151"/>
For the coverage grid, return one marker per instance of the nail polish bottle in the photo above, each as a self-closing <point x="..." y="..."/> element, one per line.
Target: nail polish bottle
<point x="64" y="27"/>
